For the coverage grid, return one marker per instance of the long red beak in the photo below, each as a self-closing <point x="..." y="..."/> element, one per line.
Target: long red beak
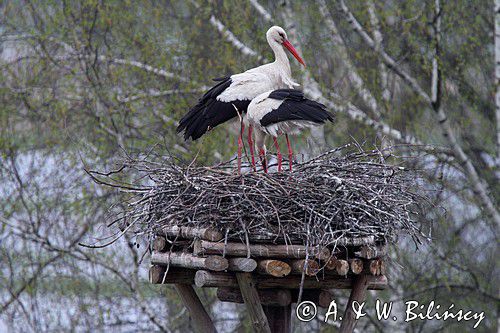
<point x="293" y="51"/>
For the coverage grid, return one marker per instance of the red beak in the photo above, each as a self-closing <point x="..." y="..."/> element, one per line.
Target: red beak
<point x="293" y="51"/>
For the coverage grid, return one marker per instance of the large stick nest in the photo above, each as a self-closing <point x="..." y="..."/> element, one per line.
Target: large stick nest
<point x="345" y="193"/>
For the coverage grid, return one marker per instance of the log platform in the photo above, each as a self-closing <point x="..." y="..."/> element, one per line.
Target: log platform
<point x="267" y="277"/>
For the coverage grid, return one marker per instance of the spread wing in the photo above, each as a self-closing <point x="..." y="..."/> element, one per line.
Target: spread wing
<point x="216" y="106"/>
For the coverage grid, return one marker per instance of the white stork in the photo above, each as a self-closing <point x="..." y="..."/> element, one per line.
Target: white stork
<point x="232" y="94"/>
<point x="283" y="111"/>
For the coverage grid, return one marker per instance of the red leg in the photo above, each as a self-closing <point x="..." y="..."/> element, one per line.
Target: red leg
<point x="250" y="143"/>
<point x="262" y="155"/>
<point x="240" y="146"/>
<point x="278" y="154"/>
<point x="290" y="152"/>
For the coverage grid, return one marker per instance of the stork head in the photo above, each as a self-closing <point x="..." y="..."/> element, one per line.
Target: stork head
<point x="277" y="34"/>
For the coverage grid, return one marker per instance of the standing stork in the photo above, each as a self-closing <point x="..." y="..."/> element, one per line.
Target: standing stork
<point x="283" y="111"/>
<point x="230" y="97"/>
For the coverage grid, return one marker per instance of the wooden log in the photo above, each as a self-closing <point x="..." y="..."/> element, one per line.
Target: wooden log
<point x="337" y="266"/>
<point x="356" y="265"/>
<point x="241" y="264"/>
<point x="358" y="294"/>
<point x="160" y="244"/>
<point x="187" y="260"/>
<point x="260" y="250"/>
<point x="273" y="267"/>
<point x="371" y="251"/>
<point x="206" y="279"/>
<point x="375" y="267"/>
<point x="252" y="302"/>
<point x="174" y="275"/>
<point x="347" y="241"/>
<point x="209" y="234"/>
<point x="199" y="316"/>
<point x="311" y="266"/>
<point x="320" y="297"/>
<point x="274" y="297"/>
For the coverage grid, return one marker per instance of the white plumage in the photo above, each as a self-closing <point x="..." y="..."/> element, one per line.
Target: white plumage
<point x="218" y="104"/>
<point x="283" y="112"/>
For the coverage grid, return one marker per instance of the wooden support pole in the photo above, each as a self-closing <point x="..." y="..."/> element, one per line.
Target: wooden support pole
<point x="279" y="318"/>
<point x="259" y="250"/>
<point x="176" y="275"/>
<point x="298" y="266"/>
<point x="241" y="264"/>
<point x="221" y="279"/>
<point x="358" y="294"/>
<point x="192" y="233"/>
<point x="180" y="259"/>
<point x="252" y="301"/>
<point x="274" y="297"/>
<point x="273" y="267"/>
<point x="320" y="297"/>
<point x="201" y="320"/>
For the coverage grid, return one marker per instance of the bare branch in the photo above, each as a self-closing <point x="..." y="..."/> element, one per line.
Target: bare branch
<point x="262" y="11"/>
<point x="479" y="186"/>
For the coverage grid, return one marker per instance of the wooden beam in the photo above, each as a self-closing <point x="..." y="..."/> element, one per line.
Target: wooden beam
<point x="174" y="275"/>
<point x="199" y="316"/>
<point x="221" y="279"/>
<point x="192" y="233"/>
<point x="358" y="294"/>
<point x="259" y="250"/>
<point x="252" y="302"/>
<point x="181" y="259"/>
<point x="275" y="297"/>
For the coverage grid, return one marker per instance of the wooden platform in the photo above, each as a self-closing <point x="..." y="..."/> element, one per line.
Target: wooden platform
<point x="267" y="278"/>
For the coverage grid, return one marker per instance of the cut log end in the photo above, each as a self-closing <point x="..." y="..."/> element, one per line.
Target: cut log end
<point x="273" y="267"/>
<point x="356" y="265"/>
<point x="309" y="267"/>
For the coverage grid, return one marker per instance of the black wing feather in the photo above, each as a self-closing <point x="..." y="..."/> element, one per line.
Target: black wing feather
<point x="295" y="107"/>
<point x="209" y="112"/>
